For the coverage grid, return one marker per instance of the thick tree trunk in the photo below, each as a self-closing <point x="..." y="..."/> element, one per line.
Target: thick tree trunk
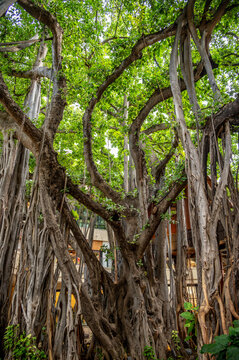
<point x="135" y="312"/>
<point x="132" y="318"/>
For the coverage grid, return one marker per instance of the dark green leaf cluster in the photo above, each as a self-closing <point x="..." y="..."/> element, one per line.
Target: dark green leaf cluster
<point x="190" y="316"/>
<point x="225" y="347"/>
<point x="149" y="353"/>
<point x="21" y="346"/>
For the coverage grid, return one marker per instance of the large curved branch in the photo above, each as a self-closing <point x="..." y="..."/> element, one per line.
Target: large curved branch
<point x="155" y="219"/>
<point x="136" y="53"/>
<point x="201" y="46"/>
<point x="221" y="10"/>
<point x="229" y="112"/>
<point x="18" y="115"/>
<point x="158" y="96"/>
<point x="111" y="217"/>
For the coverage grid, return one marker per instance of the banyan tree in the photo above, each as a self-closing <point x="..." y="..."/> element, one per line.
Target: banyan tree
<point x="127" y="111"/>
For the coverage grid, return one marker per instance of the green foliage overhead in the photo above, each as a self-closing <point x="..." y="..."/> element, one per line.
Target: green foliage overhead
<point x="190" y="316"/>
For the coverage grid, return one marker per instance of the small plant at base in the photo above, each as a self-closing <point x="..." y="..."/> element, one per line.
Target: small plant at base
<point x="225" y="347"/>
<point x="140" y="262"/>
<point x="21" y="346"/>
<point x="99" y="353"/>
<point x="146" y="226"/>
<point x="176" y="340"/>
<point x="190" y="315"/>
<point x="149" y="353"/>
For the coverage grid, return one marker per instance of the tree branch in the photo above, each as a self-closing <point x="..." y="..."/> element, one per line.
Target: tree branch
<point x="156" y="217"/>
<point x="159" y="169"/>
<point x="50" y="21"/>
<point x="155" y="128"/>
<point x="4" y="5"/>
<point x="229" y="112"/>
<point x="136" y="53"/>
<point x="25" y="41"/>
<point x="59" y="245"/>
<point x="95" y="268"/>
<point x="201" y="46"/>
<point x="18" y="115"/>
<point x="33" y="74"/>
<point x="58" y="102"/>
<point x="158" y="96"/>
<point x="221" y="10"/>
<point x="111" y="217"/>
<point x="21" y="44"/>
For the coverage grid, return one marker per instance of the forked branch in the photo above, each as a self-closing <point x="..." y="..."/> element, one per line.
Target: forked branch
<point x="136" y="53"/>
<point x="58" y="101"/>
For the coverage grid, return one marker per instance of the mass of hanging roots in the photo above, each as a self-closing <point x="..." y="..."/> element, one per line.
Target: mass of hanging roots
<point x="14" y="172"/>
<point x="42" y="303"/>
<point x="33" y="295"/>
<point x="213" y="203"/>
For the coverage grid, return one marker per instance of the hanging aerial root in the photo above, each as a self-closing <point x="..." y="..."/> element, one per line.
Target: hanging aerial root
<point x="222" y="314"/>
<point x="226" y="291"/>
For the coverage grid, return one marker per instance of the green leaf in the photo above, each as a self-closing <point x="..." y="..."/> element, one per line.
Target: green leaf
<point x="187" y="316"/>
<point x="222" y="339"/>
<point x="188" y="306"/>
<point x="75" y="214"/>
<point x="233" y="353"/>
<point x="236" y="323"/>
<point x="233" y="331"/>
<point x="214" y="348"/>
<point x="191" y="327"/>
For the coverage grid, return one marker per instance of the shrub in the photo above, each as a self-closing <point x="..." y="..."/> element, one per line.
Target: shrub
<point x="225" y="347"/>
<point x="22" y="346"/>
